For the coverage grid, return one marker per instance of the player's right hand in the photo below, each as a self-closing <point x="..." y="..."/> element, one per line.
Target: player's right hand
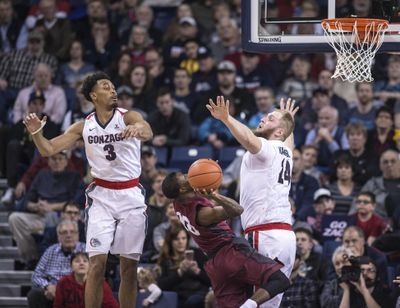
<point x="206" y="192"/>
<point x="33" y="123"/>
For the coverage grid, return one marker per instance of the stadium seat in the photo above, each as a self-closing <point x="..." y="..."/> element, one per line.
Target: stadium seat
<point x="166" y="300"/>
<point x="183" y="157"/>
<point x="162" y="156"/>
<point x="227" y="154"/>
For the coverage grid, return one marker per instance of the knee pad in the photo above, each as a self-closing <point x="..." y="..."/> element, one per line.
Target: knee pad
<point x="277" y="283"/>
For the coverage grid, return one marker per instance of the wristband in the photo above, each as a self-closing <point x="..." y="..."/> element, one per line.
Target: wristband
<point x="39" y="129"/>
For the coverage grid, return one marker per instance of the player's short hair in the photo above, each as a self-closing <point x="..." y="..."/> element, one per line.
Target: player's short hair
<point x="170" y="186"/>
<point x="287" y="123"/>
<point x="90" y="82"/>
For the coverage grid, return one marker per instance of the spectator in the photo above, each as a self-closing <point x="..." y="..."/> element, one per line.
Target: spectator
<point x="381" y="138"/>
<point x="145" y="18"/>
<point x="303" y="187"/>
<point x="387" y="184"/>
<point x="141" y="85"/>
<point x="50" y="190"/>
<point x="70" y="212"/>
<point x="388" y="90"/>
<point x="160" y="74"/>
<point x="354" y="238"/>
<point x="363" y="163"/>
<point x="147" y="283"/>
<point x="55" y="263"/>
<point x="364" y="111"/>
<point x="56" y="102"/>
<point x="226" y="86"/>
<point x="148" y="163"/>
<point x="182" y="275"/>
<point x="16" y="33"/>
<point x="139" y="40"/>
<point x="332" y="293"/>
<point x="314" y="266"/>
<point x="126" y="100"/>
<point x="343" y="189"/>
<point x="161" y="229"/>
<point x="57" y="31"/>
<point x="303" y="291"/>
<point x="328" y="136"/>
<point x="371" y="224"/>
<point x="278" y="66"/>
<point x="189" y="60"/>
<point x="265" y="102"/>
<point x="71" y="288"/>
<point x="119" y="70"/>
<point x="184" y="98"/>
<point x="19" y="149"/>
<point x="309" y="155"/>
<point x="368" y="290"/>
<point x="205" y="78"/>
<point x="228" y="38"/>
<point x="171" y="126"/>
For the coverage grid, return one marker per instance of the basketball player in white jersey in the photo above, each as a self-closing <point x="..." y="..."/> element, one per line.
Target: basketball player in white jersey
<point x="265" y="182"/>
<point x="115" y="208"/>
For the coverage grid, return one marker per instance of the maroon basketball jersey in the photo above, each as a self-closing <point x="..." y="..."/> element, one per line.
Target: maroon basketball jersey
<point x="209" y="238"/>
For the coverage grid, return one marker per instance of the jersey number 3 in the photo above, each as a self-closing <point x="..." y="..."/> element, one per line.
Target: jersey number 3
<point x="285" y="173"/>
<point x="111" y="155"/>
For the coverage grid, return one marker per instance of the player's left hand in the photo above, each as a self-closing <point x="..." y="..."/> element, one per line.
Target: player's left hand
<point x="289" y="106"/>
<point x="220" y="109"/>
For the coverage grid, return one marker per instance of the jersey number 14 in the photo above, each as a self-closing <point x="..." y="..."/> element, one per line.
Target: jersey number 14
<point x="285" y="173"/>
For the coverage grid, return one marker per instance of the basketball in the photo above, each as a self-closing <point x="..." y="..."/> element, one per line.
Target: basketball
<point x="205" y="174"/>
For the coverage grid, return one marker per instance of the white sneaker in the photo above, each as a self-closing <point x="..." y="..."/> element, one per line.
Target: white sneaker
<point x="8" y="196"/>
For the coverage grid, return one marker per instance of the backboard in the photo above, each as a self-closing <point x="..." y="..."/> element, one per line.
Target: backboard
<point x="277" y="26"/>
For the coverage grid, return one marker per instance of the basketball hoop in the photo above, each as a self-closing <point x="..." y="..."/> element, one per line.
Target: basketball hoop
<point x="355" y="41"/>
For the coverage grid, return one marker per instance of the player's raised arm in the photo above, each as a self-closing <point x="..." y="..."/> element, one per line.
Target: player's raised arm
<point x="136" y="127"/>
<point x="226" y="208"/>
<point x="289" y="106"/>
<point x="50" y="147"/>
<point x="243" y="134"/>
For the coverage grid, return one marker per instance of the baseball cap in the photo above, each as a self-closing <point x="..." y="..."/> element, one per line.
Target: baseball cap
<point x="226" y="66"/>
<point x="203" y="52"/>
<point x="147" y="149"/>
<point x="35" y="35"/>
<point x="322" y="192"/>
<point x="37" y="94"/>
<point x="125" y="90"/>
<point x="188" y="20"/>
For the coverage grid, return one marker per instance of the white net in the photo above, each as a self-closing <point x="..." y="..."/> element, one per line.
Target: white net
<point x="355" y="48"/>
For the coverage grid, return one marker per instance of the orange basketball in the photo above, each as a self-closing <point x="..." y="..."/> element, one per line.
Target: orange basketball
<point x="205" y="174"/>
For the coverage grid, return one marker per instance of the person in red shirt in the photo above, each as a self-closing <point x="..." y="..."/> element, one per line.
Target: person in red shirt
<point x="71" y="288"/>
<point x="372" y="224"/>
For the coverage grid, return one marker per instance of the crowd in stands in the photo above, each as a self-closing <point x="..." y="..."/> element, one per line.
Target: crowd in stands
<point x="166" y="61"/>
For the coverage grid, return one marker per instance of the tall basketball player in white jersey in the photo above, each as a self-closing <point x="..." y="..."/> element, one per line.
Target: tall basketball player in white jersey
<point x="115" y="208"/>
<point x="265" y="182"/>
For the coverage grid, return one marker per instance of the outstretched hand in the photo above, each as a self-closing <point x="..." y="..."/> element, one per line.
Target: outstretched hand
<point x="289" y="106"/>
<point x="33" y="123"/>
<point x="205" y="192"/>
<point x="220" y="109"/>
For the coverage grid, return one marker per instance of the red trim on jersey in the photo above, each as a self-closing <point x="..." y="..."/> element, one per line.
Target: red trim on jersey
<point x="271" y="226"/>
<point x="90" y="115"/>
<point x="117" y="185"/>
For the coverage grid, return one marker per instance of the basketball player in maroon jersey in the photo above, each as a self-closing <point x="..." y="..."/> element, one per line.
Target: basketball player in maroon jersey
<point x="233" y="266"/>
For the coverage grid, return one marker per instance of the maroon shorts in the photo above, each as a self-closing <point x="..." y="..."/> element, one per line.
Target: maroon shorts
<point x="235" y="269"/>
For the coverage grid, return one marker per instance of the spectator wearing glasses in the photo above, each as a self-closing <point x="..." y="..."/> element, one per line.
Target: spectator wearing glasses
<point x="372" y="224"/>
<point x="54" y="264"/>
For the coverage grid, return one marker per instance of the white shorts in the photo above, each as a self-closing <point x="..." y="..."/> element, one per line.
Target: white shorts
<point x="116" y="221"/>
<point x="277" y="243"/>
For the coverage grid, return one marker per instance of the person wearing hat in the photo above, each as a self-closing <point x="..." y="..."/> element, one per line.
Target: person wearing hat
<point x="226" y="86"/>
<point x="205" y="78"/>
<point x="19" y="149"/>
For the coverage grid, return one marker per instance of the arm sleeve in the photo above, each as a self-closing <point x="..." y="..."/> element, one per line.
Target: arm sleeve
<point x="155" y="293"/>
<point x="39" y="275"/>
<point x="32" y="194"/>
<point x="18" y="109"/>
<point x="5" y="66"/>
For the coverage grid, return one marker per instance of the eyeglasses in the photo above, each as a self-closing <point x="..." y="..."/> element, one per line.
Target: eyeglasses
<point x="389" y="161"/>
<point x="363" y="202"/>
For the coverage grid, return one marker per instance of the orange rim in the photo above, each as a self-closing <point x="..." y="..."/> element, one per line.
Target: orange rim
<point x="347" y="24"/>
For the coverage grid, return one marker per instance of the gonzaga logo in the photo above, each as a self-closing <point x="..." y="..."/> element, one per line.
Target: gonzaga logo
<point x="94" y="242"/>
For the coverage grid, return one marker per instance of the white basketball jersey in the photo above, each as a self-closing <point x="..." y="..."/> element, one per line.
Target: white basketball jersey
<point x="110" y="157"/>
<point x="265" y="184"/>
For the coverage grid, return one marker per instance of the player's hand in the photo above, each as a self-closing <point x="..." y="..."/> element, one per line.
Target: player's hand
<point x="289" y="106"/>
<point x="33" y="123"/>
<point x="132" y="131"/>
<point x="220" y="109"/>
<point x="206" y="192"/>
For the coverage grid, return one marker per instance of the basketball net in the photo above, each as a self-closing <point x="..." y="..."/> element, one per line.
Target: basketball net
<point x="355" y="41"/>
